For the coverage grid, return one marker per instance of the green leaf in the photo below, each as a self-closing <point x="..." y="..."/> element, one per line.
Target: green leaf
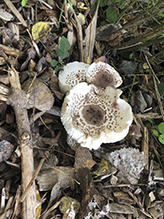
<point x="64" y="44"/>
<point x="24" y="2"/>
<point x="103" y="3"/>
<point x="160" y="15"/>
<point x="122" y="4"/>
<point x="62" y="54"/>
<point x="161" y="139"/>
<point x="150" y="120"/>
<point x="56" y="69"/>
<point x="54" y="63"/>
<point x="155" y="132"/>
<point x="111" y="15"/>
<point x="161" y="128"/>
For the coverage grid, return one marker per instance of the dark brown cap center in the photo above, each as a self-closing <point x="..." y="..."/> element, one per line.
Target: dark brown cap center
<point x="93" y="115"/>
<point x="103" y="79"/>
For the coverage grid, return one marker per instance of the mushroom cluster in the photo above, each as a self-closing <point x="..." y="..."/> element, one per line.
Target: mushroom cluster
<point x="93" y="112"/>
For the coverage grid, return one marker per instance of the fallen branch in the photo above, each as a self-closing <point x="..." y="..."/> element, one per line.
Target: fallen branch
<point x="18" y="101"/>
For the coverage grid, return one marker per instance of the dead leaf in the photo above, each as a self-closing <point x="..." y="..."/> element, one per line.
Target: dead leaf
<point x="55" y="87"/>
<point x="69" y="207"/>
<point x="105" y="169"/>
<point x="122" y="197"/>
<point x="39" y="95"/>
<point x="49" y="177"/>
<point x="120" y="208"/>
<point x="40" y="29"/>
<point x="6" y="149"/>
<point x="83" y="158"/>
<point x="106" y="33"/>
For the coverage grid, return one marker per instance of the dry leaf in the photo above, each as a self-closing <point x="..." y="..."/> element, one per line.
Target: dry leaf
<point x="40" y="29"/>
<point x="83" y="158"/>
<point x="6" y="149"/>
<point x="69" y="207"/>
<point x="55" y="87"/>
<point x="39" y="95"/>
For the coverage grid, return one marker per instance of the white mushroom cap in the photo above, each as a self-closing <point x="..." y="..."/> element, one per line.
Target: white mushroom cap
<point x="93" y="116"/>
<point x="102" y="75"/>
<point x="72" y="74"/>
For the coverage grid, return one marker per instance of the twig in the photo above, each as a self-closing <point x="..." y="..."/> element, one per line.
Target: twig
<point x="145" y="146"/>
<point x="47" y="5"/>
<point x="18" y="101"/>
<point x="156" y="89"/>
<point x="149" y="115"/>
<point x="37" y="171"/>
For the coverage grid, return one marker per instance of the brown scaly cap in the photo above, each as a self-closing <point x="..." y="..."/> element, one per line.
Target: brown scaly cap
<point x="102" y="75"/>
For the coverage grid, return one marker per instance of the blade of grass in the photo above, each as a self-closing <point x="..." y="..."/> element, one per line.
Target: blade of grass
<point x="62" y="10"/>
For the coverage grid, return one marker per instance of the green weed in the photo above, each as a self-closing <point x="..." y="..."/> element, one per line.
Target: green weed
<point x="111" y="13"/>
<point x="62" y="52"/>
<point x="23" y="3"/>
<point x="157" y="131"/>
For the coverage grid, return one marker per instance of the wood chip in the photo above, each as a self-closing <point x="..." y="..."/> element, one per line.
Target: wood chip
<point x="15" y="12"/>
<point x="10" y="51"/>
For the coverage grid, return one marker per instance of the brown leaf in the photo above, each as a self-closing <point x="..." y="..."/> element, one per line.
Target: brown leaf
<point x="6" y="149"/>
<point x="55" y="87"/>
<point x="39" y="94"/>
<point x="83" y="158"/>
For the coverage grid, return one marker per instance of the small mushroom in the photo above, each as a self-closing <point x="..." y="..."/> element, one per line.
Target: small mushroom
<point x="72" y="74"/>
<point x="102" y="75"/>
<point x="93" y="115"/>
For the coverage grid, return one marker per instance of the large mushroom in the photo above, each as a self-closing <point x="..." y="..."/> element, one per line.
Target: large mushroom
<point x="93" y="115"/>
<point x="102" y="75"/>
<point x="72" y="74"/>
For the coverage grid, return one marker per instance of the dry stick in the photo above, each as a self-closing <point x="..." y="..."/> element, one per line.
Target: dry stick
<point x="156" y="89"/>
<point x="15" y="12"/>
<point x="145" y="147"/>
<point x="37" y="171"/>
<point x="18" y="101"/>
<point x="149" y="115"/>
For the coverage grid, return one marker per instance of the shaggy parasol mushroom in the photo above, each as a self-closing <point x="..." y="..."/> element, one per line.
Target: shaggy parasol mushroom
<point x="102" y="75"/>
<point x="72" y="74"/>
<point x="93" y="116"/>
